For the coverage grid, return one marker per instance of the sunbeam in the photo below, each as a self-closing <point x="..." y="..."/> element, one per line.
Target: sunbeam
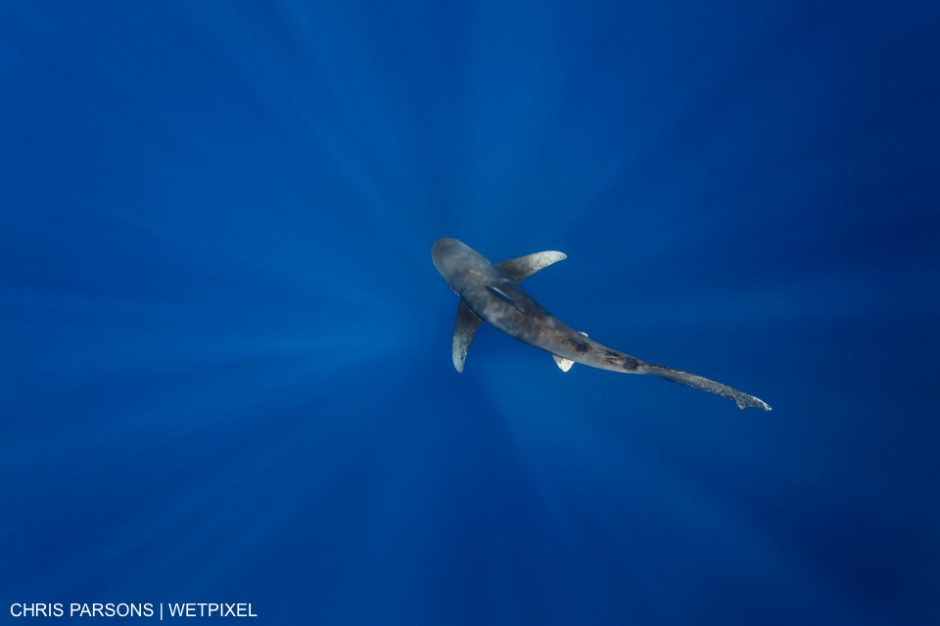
<point x="226" y="356"/>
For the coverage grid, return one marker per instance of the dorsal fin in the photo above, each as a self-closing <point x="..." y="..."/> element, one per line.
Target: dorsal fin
<point x="521" y="268"/>
<point x="502" y="295"/>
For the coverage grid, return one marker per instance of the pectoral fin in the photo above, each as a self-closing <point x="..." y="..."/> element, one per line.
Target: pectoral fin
<point x="465" y="327"/>
<point x="521" y="268"/>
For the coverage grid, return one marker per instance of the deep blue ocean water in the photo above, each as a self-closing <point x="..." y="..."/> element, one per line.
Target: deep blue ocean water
<point x="225" y="368"/>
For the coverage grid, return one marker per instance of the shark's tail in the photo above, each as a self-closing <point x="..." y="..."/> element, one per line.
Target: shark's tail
<point x="743" y="400"/>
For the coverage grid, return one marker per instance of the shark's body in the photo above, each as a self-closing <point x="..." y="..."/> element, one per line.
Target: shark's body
<point x="491" y="293"/>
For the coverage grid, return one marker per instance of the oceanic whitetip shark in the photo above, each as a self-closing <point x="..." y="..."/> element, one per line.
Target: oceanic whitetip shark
<point x="491" y="293"/>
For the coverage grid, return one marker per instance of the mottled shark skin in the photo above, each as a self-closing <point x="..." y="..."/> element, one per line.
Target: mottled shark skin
<point x="491" y="293"/>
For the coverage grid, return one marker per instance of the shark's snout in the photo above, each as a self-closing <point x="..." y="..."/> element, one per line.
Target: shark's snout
<point x="442" y="247"/>
<point x="443" y="251"/>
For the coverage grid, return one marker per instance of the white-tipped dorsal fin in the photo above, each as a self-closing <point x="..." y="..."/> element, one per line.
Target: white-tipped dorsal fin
<point x="521" y="268"/>
<point x="502" y="295"/>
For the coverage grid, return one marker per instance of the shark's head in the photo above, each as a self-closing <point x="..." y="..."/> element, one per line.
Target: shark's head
<point x="444" y="248"/>
<point x="453" y="259"/>
<point x="460" y="265"/>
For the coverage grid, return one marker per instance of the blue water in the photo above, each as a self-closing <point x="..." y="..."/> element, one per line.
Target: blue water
<point x="225" y="368"/>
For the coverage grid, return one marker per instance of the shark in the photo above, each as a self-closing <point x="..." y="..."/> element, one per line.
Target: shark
<point x="490" y="292"/>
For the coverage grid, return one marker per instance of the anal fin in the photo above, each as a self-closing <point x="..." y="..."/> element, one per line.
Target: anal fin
<point x="563" y="363"/>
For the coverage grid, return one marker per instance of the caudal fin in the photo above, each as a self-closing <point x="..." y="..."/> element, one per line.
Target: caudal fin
<point x="743" y="400"/>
